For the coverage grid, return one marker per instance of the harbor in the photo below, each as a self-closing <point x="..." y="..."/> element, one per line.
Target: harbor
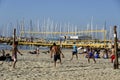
<point x="47" y="32"/>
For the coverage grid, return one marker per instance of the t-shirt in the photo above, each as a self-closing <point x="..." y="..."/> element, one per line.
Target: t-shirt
<point x="74" y="48"/>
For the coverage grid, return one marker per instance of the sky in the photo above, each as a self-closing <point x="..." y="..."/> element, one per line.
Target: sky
<point x="78" y="12"/>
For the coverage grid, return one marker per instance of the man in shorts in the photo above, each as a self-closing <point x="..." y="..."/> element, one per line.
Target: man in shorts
<point x="74" y="52"/>
<point x="55" y="50"/>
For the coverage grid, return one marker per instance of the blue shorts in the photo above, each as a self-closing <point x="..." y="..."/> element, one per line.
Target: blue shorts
<point x="90" y="55"/>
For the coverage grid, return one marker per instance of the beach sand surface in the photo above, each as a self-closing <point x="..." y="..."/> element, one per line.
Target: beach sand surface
<point x="41" y="67"/>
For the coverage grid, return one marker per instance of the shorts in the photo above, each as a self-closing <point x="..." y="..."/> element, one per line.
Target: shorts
<point x="90" y="55"/>
<point x="74" y="53"/>
<point x="113" y="57"/>
<point x="56" y="57"/>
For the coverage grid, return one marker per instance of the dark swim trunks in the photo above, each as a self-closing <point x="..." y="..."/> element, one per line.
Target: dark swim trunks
<point x="74" y="52"/>
<point x="56" y="57"/>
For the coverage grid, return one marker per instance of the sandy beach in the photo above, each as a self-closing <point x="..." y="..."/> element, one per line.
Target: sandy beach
<point x="32" y="67"/>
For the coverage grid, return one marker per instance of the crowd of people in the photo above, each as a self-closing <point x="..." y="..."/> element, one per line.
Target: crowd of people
<point x="57" y="54"/>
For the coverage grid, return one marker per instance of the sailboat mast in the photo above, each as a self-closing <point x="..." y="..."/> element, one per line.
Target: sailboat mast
<point x="91" y="27"/>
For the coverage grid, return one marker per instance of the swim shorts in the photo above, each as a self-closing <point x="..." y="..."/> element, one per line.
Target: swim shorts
<point x="56" y="57"/>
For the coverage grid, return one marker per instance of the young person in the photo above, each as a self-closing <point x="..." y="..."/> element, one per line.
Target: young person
<point x="74" y="52"/>
<point x="14" y="53"/>
<point x="90" y="54"/>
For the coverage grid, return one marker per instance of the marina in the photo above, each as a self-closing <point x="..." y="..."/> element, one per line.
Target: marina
<point x="47" y="32"/>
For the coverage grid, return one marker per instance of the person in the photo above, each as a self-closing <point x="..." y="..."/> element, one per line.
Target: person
<point x="14" y="53"/>
<point x="37" y="51"/>
<point x="55" y="50"/>
<point x="105" y="54"/>
<point x="75" y="51"/>
<point x="8" y="58"/>
<point x="90" y="55"/>
<point x="96" y="53"/>
<point x="2" y="57"/>
<point x="112" y="54"/>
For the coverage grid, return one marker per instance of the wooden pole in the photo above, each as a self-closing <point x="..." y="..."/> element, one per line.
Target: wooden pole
<point x="116" y="64"/>
<point x="14" y="37"/>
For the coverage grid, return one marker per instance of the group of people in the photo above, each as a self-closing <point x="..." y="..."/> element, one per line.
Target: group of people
<point x="92" y="53"/>
<point x="5" y="57"/>
<point x="89" y="53"/>
<point x="12" y="58"/>
<point x="36" y="51"/>
<point x="56" y="53"/>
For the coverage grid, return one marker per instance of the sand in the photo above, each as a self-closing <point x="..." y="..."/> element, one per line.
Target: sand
<point x="32" y="67"/>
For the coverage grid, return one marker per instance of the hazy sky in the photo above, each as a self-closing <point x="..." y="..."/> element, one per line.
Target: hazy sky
<point x="77" y="12"/>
